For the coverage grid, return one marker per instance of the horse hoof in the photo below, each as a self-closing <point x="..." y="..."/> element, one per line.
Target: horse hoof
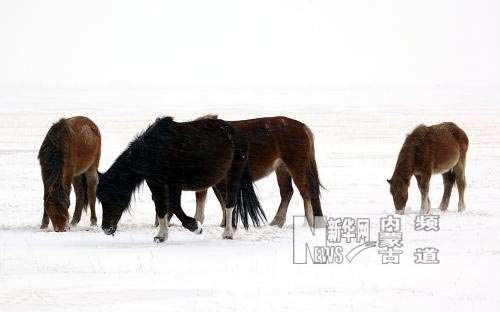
<point x="227" y="236"/>
<point x="44" y="226"/>
<point x="400" y="212"/>
<point x="277" y="222"/>
<point x="199" y="230"/>
<point x="159" y="239"/>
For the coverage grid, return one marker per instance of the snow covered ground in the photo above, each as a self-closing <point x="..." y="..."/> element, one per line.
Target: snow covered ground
<point x="356" y="146"/>
<point x="361" y="74"/>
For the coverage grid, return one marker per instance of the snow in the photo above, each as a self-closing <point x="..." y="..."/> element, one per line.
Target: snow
<point x="356" y="150"/>
<point x="360" y="74"/>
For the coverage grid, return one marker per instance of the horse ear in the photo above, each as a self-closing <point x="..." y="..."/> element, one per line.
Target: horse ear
<point x="389" y="181"/>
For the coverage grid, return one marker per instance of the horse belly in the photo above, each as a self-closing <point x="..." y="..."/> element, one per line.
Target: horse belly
<point x="259" y="173"/>
<point x="445" y="164"/>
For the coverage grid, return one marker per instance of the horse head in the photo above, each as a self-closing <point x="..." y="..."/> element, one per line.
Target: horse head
<point x="399" y="192"/>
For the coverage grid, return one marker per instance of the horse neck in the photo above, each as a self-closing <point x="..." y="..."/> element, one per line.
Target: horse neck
<point x="126" y="174"/>
<point x="404" y="165"/>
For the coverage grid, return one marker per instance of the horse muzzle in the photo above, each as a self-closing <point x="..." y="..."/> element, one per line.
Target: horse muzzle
<point x="109" y="230"/>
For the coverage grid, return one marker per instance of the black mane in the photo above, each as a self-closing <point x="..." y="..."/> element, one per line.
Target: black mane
<point x="129" y="170"/>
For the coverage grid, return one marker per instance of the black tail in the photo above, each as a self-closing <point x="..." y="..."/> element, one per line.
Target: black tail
<point x="313" y="177"/>
<point x="247" y="203"/>
<point x="85" y="194"/>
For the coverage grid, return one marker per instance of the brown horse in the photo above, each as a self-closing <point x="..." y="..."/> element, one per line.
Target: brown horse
<point x="282" y="145"/>
<point x="69" y="155"/>
<point x="438" y="149"/>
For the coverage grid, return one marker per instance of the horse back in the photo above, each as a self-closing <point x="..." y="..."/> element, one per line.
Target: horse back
<point x="203" y="151"/>
<point x="443" y="145"/>
<point x="272" y="139"/>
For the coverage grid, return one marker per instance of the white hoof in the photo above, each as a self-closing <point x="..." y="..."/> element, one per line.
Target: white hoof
<point x="199" y="230"/>
<point x="159" y="239"/>
<point x="227" y="235"/>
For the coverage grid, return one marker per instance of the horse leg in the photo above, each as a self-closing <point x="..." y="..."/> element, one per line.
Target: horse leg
<point x="91" y="194"/>
<point x="300" y="180"/>
<point x="174" y="200"/>
<point x="461" y="184"/>
<point x="201" y="197"/>
<point x="423" y="186"/>
<point x="157" y="221"/>
<point x="159" y="196"/>
<point x="230" y="227"/>
<point x="79" y="189"/>
<point x="220" y="193"/>
<point x="286" y="191"/>
<point x="232" y="187"/>
<point x="45" y="220"/>
<point x="448" y="181"/>
<point x="169" y="212"/>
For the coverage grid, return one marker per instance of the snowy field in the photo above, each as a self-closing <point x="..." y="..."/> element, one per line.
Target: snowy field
<point x="86" y="270"/>
<point x="361" y="74"/>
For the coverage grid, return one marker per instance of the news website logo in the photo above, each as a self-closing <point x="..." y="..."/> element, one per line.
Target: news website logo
<point x="343" y="239"/>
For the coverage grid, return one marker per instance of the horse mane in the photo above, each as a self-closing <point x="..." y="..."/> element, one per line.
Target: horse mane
<point x="130" y="168"/>
<point x="411" y="150"/>
<point x="418" y="134"/>
<point x="208" y="116"/>
<point x="51" y="157"/>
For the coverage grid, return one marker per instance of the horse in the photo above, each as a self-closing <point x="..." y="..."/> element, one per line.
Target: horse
<point x="172" y="157"/>
<point x="282" y="145"/>
<point x="438" y="149"/>
<point x="69" y="154"/>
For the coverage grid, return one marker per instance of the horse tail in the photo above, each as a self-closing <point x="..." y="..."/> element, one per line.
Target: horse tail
<point x="51" y="157"/>
<point x="313" y="176"/>
<point x="247" y="203"/>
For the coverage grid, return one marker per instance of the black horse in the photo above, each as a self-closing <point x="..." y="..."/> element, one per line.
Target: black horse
<point x="173" y="157"/>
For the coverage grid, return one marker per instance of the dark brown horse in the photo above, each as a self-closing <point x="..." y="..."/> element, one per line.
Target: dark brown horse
<point x="69" y="155"/>
<point x="282" y="145"/>
<point x="438" y="149"/>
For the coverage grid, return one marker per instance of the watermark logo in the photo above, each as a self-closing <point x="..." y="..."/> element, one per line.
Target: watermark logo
<point x="343" y="239"/>
<point x="390" y="240"/>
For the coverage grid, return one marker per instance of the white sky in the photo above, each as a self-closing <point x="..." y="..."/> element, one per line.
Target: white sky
<point x="247" y="43"/>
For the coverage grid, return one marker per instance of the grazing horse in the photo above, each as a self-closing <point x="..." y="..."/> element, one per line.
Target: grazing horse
<point x="172" y="157"/>
<point x="69" y="155"/>
<point x="282" y="145"/>
<point x="438" y="149"/>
